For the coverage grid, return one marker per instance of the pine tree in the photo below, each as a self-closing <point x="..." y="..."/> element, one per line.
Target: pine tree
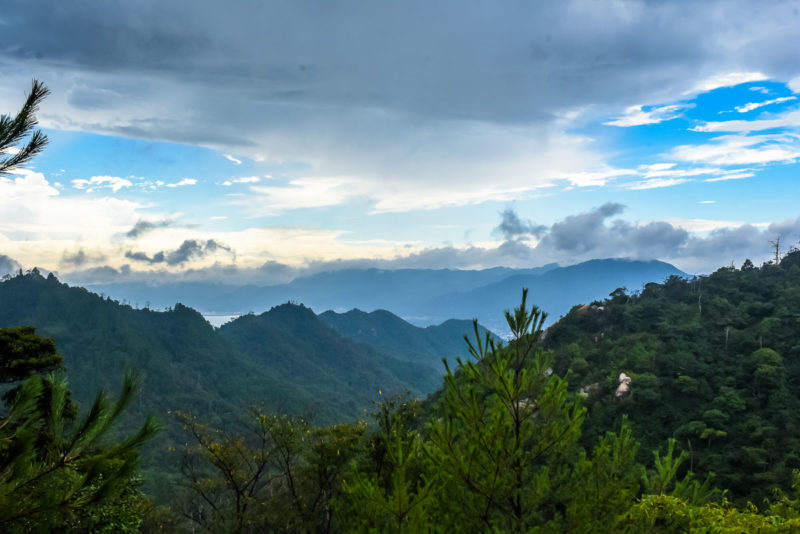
<point x="14" y="130"/>
<point x="505" y="434"/>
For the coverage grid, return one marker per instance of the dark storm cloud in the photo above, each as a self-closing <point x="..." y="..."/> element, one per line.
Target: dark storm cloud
<point x="511" y="227"/>
<point x="142" y="226"/>
<point x="582" y="232"/>
<point x="190" y="249"/>
<point x="520" y="62"/>
<point x="80" y="258"/>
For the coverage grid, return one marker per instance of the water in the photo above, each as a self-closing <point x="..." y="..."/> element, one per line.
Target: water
<point x="219" y="320"/>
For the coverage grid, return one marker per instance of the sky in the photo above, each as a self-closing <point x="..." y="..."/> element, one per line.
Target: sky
<point x="255" y="141"/>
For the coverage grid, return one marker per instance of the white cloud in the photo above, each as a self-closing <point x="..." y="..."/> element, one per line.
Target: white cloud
<point x="232" y="159"/>
<point x="742" y="150"/>
<point x="755" y="105"/>
<point x="762" y="90"/>
<point x="302" y="193"/>
<point x="655" y="183"/>
<point x="114" y="183"/>
<point x="729" y="79"/>
<point x="245" y="180"/>
<point x="732" y="176"/>
<point x="37" y="223"/>
<point x="637" y="116"/>
<point x="594" y="178"/>
<point x="786" y="120"/>
<point x="703" y="225"/>
<point x="657" y="167"/>
<point x="708" y="202"/>
<point x="794" y="84"/>
<point x="184" y="182"/>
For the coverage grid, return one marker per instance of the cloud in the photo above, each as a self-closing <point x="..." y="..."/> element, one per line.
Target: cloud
<point x="302" y="193"/>
<point x="728" y="79"/>
<point x="694" y="245"/>
<point x="638" y="116"/>
<point x="762" y="90"/>
<point x="232" y="159"/>
<point x="655" y="183"/>
<point x="245" y="180"/>
<point x="114" y="183"/>
<point x="794" y="84"/>
<point x="190" y="249"/>
<point x="142" y="226"/>
<point x="469" y="94"/>
<point x="786" y="120"/>
<point x="578" y="233"/>
<point x="742" y="150"/>
<point x="512" y="228"/>
<point x="732" y="176"/>
<point x="185" y="181"/>
<point x="8" y="265"/>
<point x="755" y="105"/>
<point x="80" y="258"/>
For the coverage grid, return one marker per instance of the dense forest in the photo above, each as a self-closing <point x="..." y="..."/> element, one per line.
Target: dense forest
<point x="713" y="361"/>
<point x="667" y="410"/>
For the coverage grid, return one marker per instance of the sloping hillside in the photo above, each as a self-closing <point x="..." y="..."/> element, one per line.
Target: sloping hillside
<point x="713" y="361"/>
<point x="390" y="334"/>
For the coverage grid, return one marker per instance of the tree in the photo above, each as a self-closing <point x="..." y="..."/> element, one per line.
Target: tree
<point x="280" y="475"/>
<point x="14" y="130"/>
<point x="390" y="490"/>
<point x="504" y="432"/>
<point x="23" y="353"/>
<point x="51" y="471"/>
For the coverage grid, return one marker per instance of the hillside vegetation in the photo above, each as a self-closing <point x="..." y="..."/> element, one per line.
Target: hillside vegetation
<point x="713" y="361"/>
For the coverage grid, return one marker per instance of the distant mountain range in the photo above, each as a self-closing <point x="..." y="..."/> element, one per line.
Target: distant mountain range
<point x="286" y="358"/>
<point x="421" y="296"/>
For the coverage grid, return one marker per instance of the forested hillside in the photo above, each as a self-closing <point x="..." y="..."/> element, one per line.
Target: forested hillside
<point x="388" y="333"/>
<point x="712" y="361"/>
<point x="285" y="358"/>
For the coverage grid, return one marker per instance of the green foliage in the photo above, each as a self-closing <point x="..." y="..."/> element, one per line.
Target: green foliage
<point x="390" y="487"/>
<point x="663" y="513"/>
<point x="14" y="130"/>
<point x="279" y="475"/>
<point x="56" y="474"/>
<point x="284" y="359"/>
<point x="504" y="431"/>
<point x="499" y="452"/>
<point x="714" y="363"/>
<point x="23" y="353"/>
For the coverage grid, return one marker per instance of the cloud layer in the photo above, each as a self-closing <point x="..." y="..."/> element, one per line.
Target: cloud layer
<point x="410" y="102"/>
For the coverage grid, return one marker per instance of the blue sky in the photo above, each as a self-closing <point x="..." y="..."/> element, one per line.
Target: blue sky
<point x="280" y="138"/>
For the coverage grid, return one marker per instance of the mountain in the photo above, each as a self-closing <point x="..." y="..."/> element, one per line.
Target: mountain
<point x="400" y="290"/>
<point x="285" y="358"/>
<point x="342" y="374"/>
<point x="422" y="297"/>
<point x="390" y="334"/>
<point x="554" y="291"/>
<point x="713" y="362"/>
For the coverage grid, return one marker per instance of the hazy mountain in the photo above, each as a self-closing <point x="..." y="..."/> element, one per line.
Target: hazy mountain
<point x="420" y="296"/>
<point x="399" y="291"/>
<point x="555" y="291"/>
